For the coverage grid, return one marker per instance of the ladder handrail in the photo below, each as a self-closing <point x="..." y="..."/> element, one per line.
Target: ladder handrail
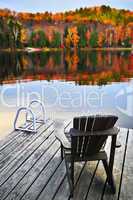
<point x="27" y="109"/>
<point x="42" y="107"/>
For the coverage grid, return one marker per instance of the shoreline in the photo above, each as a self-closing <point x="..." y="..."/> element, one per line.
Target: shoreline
<point x="30" y="49"/>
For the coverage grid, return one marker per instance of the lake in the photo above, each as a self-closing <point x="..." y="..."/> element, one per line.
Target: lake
<point x="69" y="83"/>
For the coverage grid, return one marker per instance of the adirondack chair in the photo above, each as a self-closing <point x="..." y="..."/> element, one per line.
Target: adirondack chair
<point x="87" y="138"/>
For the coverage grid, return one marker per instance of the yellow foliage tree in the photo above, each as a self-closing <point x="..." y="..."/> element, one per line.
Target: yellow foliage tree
<point x="72" y="37"/>
<point x="68" y="38"/>
<point x="24" y="35"/>
<point x="75" y="36"/>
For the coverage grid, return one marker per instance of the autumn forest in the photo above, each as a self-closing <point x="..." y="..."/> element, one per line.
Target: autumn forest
<point x="97" y="27"/>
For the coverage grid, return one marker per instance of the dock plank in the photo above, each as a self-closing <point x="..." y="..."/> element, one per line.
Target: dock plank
<point x="63" y="191"/>
<point x="67" y="125"/>
<point x="17" y="186"/>
<point x="44" y="177"/>
<point x="12" y="156"/>
<point x="127" y="180"/>
<point x="98" y="179"/>
<point x="49" y="191"/>
<point x="21" y="159"/>
<point x="48" y="130"/>
<point x="34" y="169"/>
<point x="97" y="184"/>
<point x="85" y="181"/>
<point x="17" y="144"/>
<point x="9" y="139"/>
<point x="117" y="167"/>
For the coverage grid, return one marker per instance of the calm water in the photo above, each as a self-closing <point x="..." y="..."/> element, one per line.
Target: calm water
<point x="69" y="83"/>
<point x="83" y="67"/>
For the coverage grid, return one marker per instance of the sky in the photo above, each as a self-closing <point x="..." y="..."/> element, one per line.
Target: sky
<point x="61" y="5"/>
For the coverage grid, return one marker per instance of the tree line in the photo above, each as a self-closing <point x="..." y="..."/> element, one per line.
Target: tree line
<point x="80" y="37"/>
<point x="103" y="14"/>
<point x="116" y="31"/>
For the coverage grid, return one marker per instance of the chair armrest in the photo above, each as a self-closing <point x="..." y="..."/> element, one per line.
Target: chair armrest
<point x="109" y="132"/>
<point x="59" y="134"/>
<point x="63" y="139"/>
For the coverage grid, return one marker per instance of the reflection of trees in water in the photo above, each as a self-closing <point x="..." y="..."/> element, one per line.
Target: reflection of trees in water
<point x="11" y="65"/>
<point x="57" y="58"/>
<point x="88" y="66"/>
<point x="93" y="60"/>
<point x="71" y="61"/>
<point x="82" y="61"/>
<point x="41" y="59"/>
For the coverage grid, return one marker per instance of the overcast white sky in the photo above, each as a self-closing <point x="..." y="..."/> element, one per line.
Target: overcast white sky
<point x="61" y="5"/>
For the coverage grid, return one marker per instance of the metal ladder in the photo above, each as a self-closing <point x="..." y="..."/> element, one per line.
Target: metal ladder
<point x="31" y="121"/>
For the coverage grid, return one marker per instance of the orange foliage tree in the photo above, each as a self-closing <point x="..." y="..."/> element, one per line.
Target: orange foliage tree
<point x="75" y="36"/>
<point x="101" y="39"/>
<point x="119" y="35"/>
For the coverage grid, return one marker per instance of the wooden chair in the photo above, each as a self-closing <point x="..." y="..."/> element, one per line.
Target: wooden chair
<point x="88" y="137"/>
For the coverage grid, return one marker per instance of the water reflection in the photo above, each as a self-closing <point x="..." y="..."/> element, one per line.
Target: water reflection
<point x="83" y="67"/>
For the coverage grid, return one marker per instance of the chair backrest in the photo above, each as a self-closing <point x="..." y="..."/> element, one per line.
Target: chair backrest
<point x="90" y="144"/>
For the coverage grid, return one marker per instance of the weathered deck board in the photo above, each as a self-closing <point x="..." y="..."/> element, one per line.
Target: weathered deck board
<point x="9" y="139"/>
<point x="63" y="191"/>
<point x="26" y="157"/>
<point x="99" y="176"/>
<point x="9" y="159"/>
<point x="117" y="166"/>
<point x="46" y="164"/>
<point x="85" y="181"/>
<point x="27" y="165"/>
<point x="52" y="186"/>
<point x="44" y="177"/>
<point x="127" y="180"/>
<point x="33" y="169"/>
<point x="17" y="144"/>
<point x="97" y="185"/>
<point x="14" y="143"/>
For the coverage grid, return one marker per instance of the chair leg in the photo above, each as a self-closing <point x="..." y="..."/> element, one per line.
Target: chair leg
<point x="110" y="178"/>
<point x="70" y="174"/>
<point x="62" y="152"/>
<point x="72" y="171"/>
<point x="72" y="177"/>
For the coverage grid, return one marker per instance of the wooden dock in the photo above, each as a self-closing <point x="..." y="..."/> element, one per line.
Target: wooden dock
<point x="31" y="169"/>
